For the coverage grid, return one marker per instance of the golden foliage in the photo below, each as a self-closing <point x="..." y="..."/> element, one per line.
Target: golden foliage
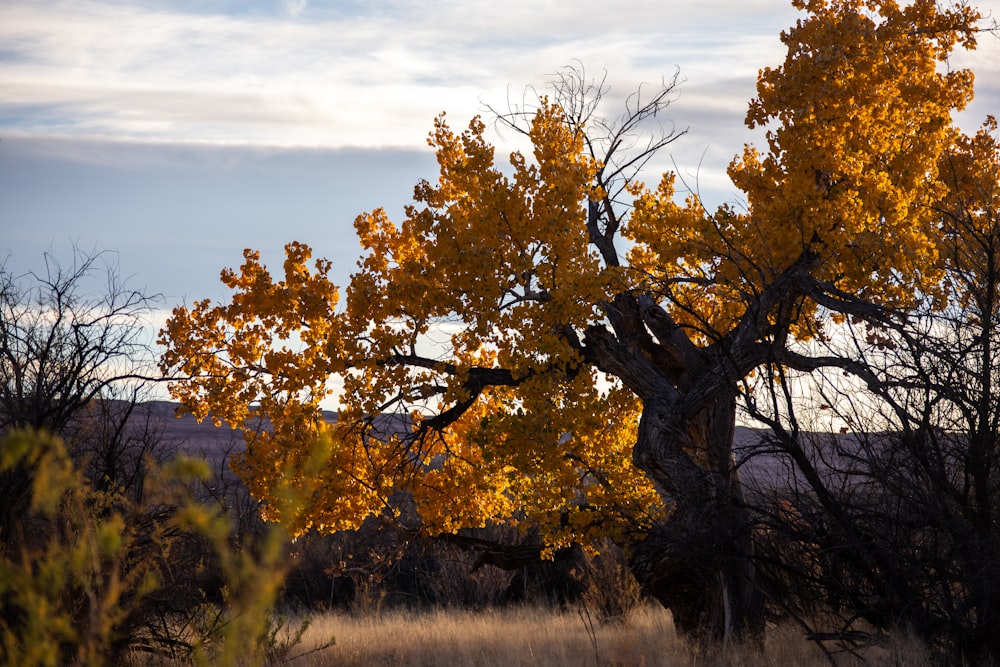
<point x="857" y="119"/>
<point x="498" y="267"/>
<point x="498" y="264"/>
<point x="971" y="221"/>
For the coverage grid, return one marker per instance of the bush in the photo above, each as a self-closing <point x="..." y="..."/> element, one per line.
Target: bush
<point x="91" y="576"/>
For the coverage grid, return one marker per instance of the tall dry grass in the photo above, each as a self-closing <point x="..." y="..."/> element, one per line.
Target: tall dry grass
<point x="556" y="638"/>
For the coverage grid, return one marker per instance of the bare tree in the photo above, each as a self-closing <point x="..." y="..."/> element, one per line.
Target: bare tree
<point x="75" y="360"/>
<point x="62" y="346"/>
<point x="892" y="519"/>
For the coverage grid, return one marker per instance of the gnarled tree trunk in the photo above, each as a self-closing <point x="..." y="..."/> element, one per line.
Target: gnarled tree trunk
<point x="699" y="561"/>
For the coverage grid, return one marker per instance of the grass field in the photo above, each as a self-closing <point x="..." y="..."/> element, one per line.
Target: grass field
<point x="542" y="636"/>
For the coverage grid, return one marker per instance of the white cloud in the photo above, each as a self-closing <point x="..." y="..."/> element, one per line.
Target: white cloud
<point x="371" y="79"/>
<point x="322" y="75"/>
<point x="295" y="8"/>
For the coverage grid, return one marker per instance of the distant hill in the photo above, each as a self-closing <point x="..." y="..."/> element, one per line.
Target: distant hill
<point x="186" y="434"/>
<point x="760" y="469"/>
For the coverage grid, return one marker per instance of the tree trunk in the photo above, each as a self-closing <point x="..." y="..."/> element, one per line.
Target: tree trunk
<point x="699" y="561"/>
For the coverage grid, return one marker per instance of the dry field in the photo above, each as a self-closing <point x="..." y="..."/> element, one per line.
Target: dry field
<point x="541" y="636"/>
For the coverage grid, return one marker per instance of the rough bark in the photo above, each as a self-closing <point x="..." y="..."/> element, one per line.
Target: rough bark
<point x="699" y="561"/>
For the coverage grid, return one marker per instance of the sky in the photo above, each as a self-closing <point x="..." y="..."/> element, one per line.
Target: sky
<point x="176" y="133"/>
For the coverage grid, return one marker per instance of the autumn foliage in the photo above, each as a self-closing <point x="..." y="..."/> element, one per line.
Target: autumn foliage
<point x="507" y="274"/>
<point x="563" y="346"/>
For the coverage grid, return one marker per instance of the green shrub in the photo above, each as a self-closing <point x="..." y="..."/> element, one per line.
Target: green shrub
<point x="88" y="577"/>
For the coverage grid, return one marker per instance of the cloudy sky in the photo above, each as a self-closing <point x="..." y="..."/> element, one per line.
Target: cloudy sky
<point x="178" y="132"/>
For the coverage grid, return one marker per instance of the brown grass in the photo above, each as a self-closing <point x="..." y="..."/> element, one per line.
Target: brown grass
<point x="543" y="636"/>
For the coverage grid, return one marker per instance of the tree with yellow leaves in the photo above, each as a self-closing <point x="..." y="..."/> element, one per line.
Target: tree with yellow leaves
<point x="568" y="347"/>
<point x="893" y="524"/>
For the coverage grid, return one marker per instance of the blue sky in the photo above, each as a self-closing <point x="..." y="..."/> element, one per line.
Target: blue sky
<point x="179" y="132"/>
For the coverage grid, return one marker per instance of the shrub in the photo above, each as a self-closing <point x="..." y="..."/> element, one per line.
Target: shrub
<point x="90" y="576"/>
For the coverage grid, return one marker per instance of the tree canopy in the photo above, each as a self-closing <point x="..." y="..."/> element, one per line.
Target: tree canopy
<point x="566" y="346"/>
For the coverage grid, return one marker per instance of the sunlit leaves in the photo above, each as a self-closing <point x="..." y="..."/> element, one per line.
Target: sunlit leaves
<point x="490" y="270"/>
<point x="857" y="119"/>
<point x="478" y="321"/>
<point x="971" y="221"/>
<point x="863" y="104"/>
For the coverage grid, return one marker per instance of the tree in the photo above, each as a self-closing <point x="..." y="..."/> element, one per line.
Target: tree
<point x="582" y="323"/>
<point x="894" y="521"/>
<point x="74" y="357"/>
<point x="63" y="344"/>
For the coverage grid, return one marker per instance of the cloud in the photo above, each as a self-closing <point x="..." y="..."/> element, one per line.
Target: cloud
<point x="363" y="78"/>
<point x="373" y="74"/>
<point x="295" y="8"/>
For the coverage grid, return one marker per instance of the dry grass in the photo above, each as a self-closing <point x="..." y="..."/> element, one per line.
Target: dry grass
<point x="542" y="636"/>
